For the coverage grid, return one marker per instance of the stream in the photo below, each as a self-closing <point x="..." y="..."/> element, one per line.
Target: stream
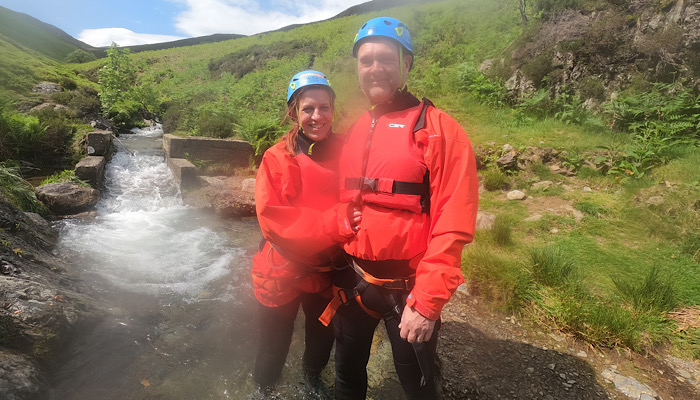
<point x="182" y="318"/>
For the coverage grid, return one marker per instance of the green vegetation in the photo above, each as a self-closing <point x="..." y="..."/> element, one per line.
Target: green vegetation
<point x="610" y="265"/>
<point x="17" y="191"/>
<point x="67" y="175"/>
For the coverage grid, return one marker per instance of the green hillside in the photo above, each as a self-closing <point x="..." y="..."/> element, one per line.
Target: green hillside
<point x="606" y="244"/>
<point x="586" y="258"/>
<point x="27" y="32"/>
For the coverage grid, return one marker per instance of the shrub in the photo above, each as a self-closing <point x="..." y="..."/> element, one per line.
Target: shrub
<point x="63" y="97"/>
<point x="495" y="179"/>
<point x="484" y="89"/>
<point x="80" y="56"/>
<point x="67" y="175"/>
<point x="215" y="124"/>
<point x="259" y="132"/>
<point x="67" y="83"/>
<point x="589" y="208"/>
<point x="171" y="118"/>
<point x="654" y="293"/>
<point x="85" y="103"/>
<point x="502" y="231"/>
<point x="58" y="133"/>
<point x="18" y="191"/>
<point x="551" y="267"/>
<point x="495" y="277"/>
<point x="538" y="67"/>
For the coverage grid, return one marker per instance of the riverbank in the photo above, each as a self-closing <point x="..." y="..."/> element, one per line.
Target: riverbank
<point x="43" y="302"/>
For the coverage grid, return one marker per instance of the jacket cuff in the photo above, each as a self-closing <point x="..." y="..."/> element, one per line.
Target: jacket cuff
<point x="421" y="308"/>
<point x="338" y="222"/>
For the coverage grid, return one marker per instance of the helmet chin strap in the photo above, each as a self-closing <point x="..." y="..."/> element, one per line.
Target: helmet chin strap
<point x="401" y="63"/>
<point x="401" y="77"/>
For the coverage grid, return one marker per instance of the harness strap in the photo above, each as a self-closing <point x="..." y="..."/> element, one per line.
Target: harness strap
<point x="357" y="292"/>
<point x="391" y="283"/>
<point x="340" y="297"/>
<point x="397" y="187"/>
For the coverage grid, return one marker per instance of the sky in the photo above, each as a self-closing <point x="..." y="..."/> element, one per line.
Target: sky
<point x="132" y="22"/>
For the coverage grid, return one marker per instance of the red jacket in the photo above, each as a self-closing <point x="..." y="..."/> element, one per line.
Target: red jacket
<point x="397" y="229"/>
<point x="296" y="203"/>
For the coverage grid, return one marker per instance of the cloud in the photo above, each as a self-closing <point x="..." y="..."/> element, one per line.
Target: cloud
<point x="122" y="36"/>
<point x="247" y="17"/>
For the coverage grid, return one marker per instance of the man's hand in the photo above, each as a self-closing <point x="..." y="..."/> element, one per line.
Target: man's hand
<point x="415" y="328"/>
<point x="355" y="216"/>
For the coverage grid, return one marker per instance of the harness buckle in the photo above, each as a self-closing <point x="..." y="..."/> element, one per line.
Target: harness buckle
<point x="400" y="284"/>
<point x="343" y="297"/>
<point x="369" y="184"/>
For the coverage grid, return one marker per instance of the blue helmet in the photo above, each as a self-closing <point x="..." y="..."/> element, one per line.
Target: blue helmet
<point x="307" y="78"/>
<point x="388" y="27"/>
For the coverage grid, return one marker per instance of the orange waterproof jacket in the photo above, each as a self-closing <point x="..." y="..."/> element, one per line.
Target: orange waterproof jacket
<point x="385" y="146"/>
<point x="296" y="201"/>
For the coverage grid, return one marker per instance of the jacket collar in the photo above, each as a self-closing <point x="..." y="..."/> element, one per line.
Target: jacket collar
<point x="402" y="100"/>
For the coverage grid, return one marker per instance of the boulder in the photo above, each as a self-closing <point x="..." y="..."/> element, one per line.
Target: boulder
<point x="516" y="195"/>
<point x="99" y="143"/>
<point x="43" y="303"/>
<point x="66" y="198"/>
<point x="229" y="197"/>
<point x="485" y="220"/>
<point x="92" y="170"/>
<point x="509" y="161"/>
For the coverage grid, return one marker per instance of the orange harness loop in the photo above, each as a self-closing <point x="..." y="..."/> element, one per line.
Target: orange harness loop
<point x="340" y="296"/>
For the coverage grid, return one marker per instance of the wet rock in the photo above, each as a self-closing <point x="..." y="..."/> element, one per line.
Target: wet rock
<point x="42" y="302"/>
<point x="20" y="377"/>
<point x="65" y="198"/>
<point x="226" y="196"/>
<point x="248" y="185"/>
<point x="629" y="386"/>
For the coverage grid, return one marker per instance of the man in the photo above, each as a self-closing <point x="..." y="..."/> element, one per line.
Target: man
<point x="409" y="168"/>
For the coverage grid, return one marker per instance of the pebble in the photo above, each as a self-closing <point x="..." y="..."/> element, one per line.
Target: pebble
<point x="587" y="189"/>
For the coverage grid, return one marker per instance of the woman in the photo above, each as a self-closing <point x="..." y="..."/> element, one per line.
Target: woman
<point x="296" y="201"/>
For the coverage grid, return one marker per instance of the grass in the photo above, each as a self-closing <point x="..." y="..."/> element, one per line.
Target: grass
<point x="18" y="191"/>
<point x="630" y="258"/>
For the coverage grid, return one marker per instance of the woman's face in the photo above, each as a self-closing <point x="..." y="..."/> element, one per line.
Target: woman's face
<point x="315" y="113"/>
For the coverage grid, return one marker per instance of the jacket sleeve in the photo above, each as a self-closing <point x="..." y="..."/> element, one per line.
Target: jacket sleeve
<point x="454" y="190"/>
<point x="301" y="231"/>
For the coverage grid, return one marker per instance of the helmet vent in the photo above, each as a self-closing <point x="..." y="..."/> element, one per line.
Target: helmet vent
<point x="387" y="22"/>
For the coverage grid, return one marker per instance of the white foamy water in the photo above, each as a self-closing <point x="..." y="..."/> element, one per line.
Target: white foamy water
<point x="143" y="238"/>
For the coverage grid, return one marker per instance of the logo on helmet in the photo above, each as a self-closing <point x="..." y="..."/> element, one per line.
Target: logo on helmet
<point x="399" y="30"/>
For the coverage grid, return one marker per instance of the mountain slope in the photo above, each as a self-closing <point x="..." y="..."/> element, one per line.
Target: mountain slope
<point x="22" y="30"/>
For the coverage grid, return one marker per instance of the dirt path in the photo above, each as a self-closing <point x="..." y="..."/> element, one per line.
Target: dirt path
<point x="487" y="355"/>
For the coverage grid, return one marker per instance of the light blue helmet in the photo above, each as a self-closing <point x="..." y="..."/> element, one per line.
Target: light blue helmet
<point x="388" y="27"/>
<point x="307" y="78"/>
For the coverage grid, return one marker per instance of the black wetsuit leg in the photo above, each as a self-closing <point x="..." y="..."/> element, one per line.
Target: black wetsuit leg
<point x="276" y="328"/>
<point x="318" y="338"/>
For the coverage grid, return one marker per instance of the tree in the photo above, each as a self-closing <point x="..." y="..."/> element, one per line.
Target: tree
<point x="80" y="56"/>
<point x="522" y="4"/>
<point x="116" y="78"/>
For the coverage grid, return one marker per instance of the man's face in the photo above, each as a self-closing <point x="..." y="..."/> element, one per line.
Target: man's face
<point x="380" y="70"/>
